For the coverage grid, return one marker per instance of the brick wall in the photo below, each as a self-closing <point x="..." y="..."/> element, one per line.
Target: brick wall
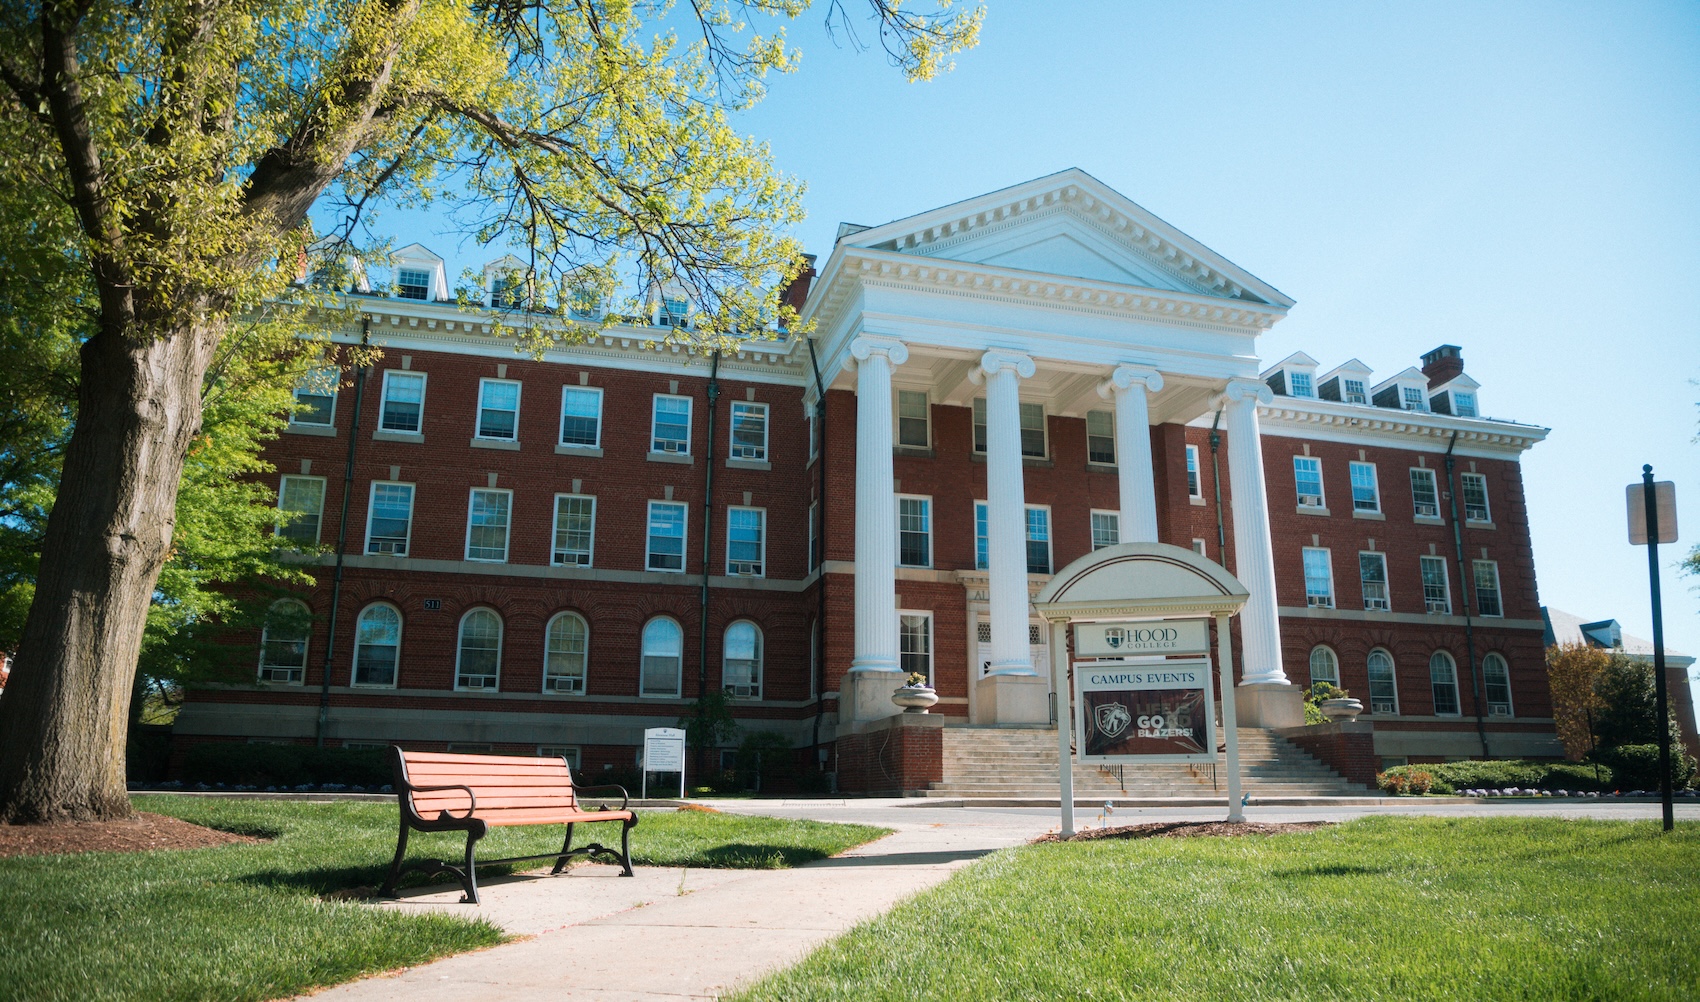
<point x="890" y="761"/>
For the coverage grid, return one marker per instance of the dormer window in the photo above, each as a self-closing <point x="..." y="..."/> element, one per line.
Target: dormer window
<point x="1299" y="383"/>
<point x="673" y="313"/>
<point x="413" y="283"/>
<point x="1353" y="392"/>
<point x="1414" y="399"/>
<point x="1293" y="376"/>
<point x="1464" y="403"/>
<point x="508" y="290"/>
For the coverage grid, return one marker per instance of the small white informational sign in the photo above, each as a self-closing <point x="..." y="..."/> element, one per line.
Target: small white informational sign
<point x="1664" y="509"/>
<point x="1141" y="639"/>
<point x="663" y="751"/>
<point x="1144" y="711"/>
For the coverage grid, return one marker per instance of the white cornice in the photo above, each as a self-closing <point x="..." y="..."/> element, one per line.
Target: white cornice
<point x="1326" y="420"/>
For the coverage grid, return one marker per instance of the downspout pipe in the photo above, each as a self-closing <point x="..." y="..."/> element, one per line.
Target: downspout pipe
<point x="342" y="539"/>
<point x="1464" y="588"/>
<point x="818" y="653"/>
<point x="707" y="543"/>
<point x="1216" y="478"/>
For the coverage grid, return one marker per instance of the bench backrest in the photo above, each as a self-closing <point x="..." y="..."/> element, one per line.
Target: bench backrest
<point x="506" y="785"/>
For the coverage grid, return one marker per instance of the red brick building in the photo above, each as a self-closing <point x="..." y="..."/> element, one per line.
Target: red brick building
<point x="1009" y="383"/>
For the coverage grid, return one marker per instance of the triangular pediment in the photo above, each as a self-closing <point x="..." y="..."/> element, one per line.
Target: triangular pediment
<point x="1069" y="224"/>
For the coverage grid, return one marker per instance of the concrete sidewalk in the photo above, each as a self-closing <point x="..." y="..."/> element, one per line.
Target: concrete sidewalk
<point x="669" y="933"/>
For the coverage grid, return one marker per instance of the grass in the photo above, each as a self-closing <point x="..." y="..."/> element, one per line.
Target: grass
<point x="1378" y="909"/>
<point x="250" y="922"/>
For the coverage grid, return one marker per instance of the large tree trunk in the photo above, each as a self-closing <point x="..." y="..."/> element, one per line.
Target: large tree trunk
<point x="65" y="715"/>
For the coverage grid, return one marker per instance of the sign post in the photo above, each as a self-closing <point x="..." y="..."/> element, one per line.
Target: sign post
<point x="1652" y="520"/>
<point x="663" y="751"/>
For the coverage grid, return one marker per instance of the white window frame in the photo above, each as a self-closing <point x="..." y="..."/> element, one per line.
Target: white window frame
<point x="978" y="420"/>
<point x="753" y="691"/>
<point x="932" y="648"/>
<point x="1424" y="473"/>
<point x="1457" y="694"/>
<point x="1413" y="398"/>
<point x="1027" y="538"/>
<point x="478" y="421"/>
<point x="371" y="513"/>
<point x="1333" y="660"/>
<point x="583" y="679"/>
<point x="1430" y="560"/>
<point x="1353" y="396"/>
<point x="926" y="501"/>
<point x="384" y="400"/>
<point x="1352" y="470"/>
<point x="982" y="547"/>
<point x="1092" y="521"/>
<point x="979" y="407"/>
<point x="1194" y="474"/>
<point x="684" y="537"/>
<point x="1199" y="547"/>
<point x="1480" y="479"/>
<point x="1115" y="446"/>
<point x="732" y="446"/>
<point x="1492" y="566"/>
<point x="560" y="430"/>
<point x="1494" y="706"/>
<point x="555" y="550"/>
<point x="897" y="419"/>
<point x="264" y="668"/>
<point x="814" y="431"/>
<point x="279" y="529"/>
<point x="507" y="526"/>
<point x="573" y="755"/>
<point x="408" y="269"/>
<point x="1293" y="378"/>
<point x="760" y="564"/>
<point x="400" y="628"/>
<point x="295" y="396"/>
<point x="679" y="661"/>
<point x="1386" y="600"/>
<point x="1459" y="397"/>
<point x="1021" y="408"/>
<point x="655" y="412"/>
<point x="1321" y="494"/>
<point x="1392" y="681"/>
<point x="1312" y="601"/>
<point x="460" y="651"/>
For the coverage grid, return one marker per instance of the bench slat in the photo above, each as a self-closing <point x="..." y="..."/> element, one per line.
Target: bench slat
<point x="534" y="782"/>
<point x="495" y="803"/>
<point x="554" y="770"/>
<point x="461" y="758"/>
<point x="533" y="816"/>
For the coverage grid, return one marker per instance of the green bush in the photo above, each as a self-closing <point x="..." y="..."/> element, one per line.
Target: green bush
<point x="286" y="765"/>
<point x="1450" y="777"/>
<point x="765" y="757"/>
<point x="1637" y="766"/>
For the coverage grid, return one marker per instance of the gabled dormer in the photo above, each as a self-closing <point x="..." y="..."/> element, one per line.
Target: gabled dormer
<point x="1347" y="382"/>
<point x="1457" y="397"/>
<point x="1606" y="633"/>
<point x="505" y="284"/>
<point x="419" y="274"/>
<point x="1293" y="376"/>
<point x="1407" y="391"/>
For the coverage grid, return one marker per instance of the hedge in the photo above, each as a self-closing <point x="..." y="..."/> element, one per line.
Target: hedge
<point x="285" y="765"/>
<point x="1450" y="777"/>
<point x="1637" y="766"/>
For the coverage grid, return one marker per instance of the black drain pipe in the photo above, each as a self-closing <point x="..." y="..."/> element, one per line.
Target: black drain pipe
<point x="342" y="538"/>
<point x="1464" y="589"/>
<point x="707" y="542"/>
<point x="1216" y="476"/>
<point x="818" y="641"/>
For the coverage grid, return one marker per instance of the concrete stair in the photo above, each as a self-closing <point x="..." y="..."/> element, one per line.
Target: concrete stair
<point x="1021" y="764"/>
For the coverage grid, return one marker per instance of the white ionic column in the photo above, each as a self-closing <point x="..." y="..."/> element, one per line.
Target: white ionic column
<point x="876" y="512"/>
<point x="1128" y="385"/>
<point x="1006" y="513"/>
<point x="1254" y="556"/>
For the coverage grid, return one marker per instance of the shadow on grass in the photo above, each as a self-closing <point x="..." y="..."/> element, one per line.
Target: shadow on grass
<point x="331" y="879"/>
<point x="742" y="856"/>
<point x="908" y="858"/>
<point x="1333" y="870"/>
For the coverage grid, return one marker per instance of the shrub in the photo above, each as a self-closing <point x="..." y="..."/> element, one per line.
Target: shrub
<point x="1637" y="766"/>
<point x="1499" y="774"/>
<point x="764" y="757"/>
<point x="286" y="765"/>
<point x="1406" y="780"/>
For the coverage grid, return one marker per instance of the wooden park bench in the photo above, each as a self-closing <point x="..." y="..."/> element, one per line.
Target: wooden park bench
<point x="441" y="792"/>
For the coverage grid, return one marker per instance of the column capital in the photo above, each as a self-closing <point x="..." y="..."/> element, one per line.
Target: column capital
<point x="1126" y="377"/>
<point x="996" y="360"/>
<point x="1247" y="390"/>
<point x="875" y="344"/>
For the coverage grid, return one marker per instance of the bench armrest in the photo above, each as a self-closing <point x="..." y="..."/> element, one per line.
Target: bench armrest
<point x="625" y="798"/>
<point x="471" y="797"/>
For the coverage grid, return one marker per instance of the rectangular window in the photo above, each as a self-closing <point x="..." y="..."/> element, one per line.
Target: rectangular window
<point x="746" y="541"/>
<point x="1033" y="430"/>
<point x="1307" y="476"/>
<point x="1487" y="588"/>
<point x="814" y="433"/>
<point x="1194" y="488"/>
<point x="1425" y="497"/>
<point x="979" y="424"/>
<point x="303" y="499"/>
<point x="1437" y="592"/>
<point x="1366" y="494"/>
<point x="666" y="546"/>
<point x="1475" y="498"/>
<point x="498" y="409"/>
<point x="568" y="752"/>
<point x="1038" y="540"/>
<point x="487" y="525"/>
<point x="1319" y="578"/>
<point x="1198" y="546"/>
<point x="915" y="643"/>
<point x="749" y="431"/>
<point x="670" y="430"/>
<point x="1106" y="529"/>
<point x="404" y="402"/>
<point x="980" y="558"/>
<point x="575" y="529"/>
<point x="1299" y="384"/>
<point x="1355" y="391"/>
<point x="315" y="399"/>
<point x="1100" y="437"/>
<point x="913" y="416"/>
<point x="412" y="283"/>
<point x="389" y="520"/>
<point x="1463" y="404"/>
<point x="914" y="531"/>
<point x="1414" y="398"/>
<point x="581" y="417"/>
<point x="1372" y="569"/>
<point x="814" y="534"/>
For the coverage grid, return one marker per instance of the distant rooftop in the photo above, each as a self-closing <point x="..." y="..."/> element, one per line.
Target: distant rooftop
<point x="1564" y="628"/>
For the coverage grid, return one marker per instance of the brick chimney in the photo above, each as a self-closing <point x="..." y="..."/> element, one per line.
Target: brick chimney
<point x="1443" y="364"/>
<point x="797" y="293"/>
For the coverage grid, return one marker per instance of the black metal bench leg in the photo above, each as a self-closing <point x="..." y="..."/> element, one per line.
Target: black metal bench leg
<point x="566" y="848"/>
<point x="626" y="846"/>
<point x="388" y="890"/>
<point x="470" y="883"/>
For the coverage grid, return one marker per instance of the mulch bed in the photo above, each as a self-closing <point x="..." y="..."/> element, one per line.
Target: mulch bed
<point x="1188" y="829"/>
<point x="142" y="833"/>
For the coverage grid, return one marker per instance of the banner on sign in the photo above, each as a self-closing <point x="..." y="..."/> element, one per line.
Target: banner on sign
<point x="1120" y="640"/>
<point x="1152" y="712"/>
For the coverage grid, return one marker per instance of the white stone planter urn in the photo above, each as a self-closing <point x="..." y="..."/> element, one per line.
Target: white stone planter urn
<point x="914" y="698"/>
<point x="1341" y="709"/>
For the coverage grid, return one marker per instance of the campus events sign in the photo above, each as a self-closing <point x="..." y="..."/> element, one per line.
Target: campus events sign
<point x="1152" y="711"/>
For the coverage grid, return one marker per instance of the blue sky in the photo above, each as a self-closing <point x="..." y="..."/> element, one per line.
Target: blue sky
<point x="1522" y="180"/>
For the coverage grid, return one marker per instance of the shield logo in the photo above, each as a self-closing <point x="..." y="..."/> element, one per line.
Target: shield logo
<point x="1112" y="719"/>
<point x="1115" y="636"/>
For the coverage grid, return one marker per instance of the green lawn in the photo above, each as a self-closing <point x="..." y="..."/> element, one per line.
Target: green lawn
<point x="1382" y="908"/>
<point x="250" y="921"/>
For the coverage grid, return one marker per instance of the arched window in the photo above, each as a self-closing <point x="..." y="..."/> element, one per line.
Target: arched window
<point x="663" y="657"/>
<point x="1383" y="691"/>
<point x="1496" y="678"/>
<point x="377" y="645"/>
<point x="1443" y="678"/>
<point x="565" y="650"/>
<point x="740" y="669"/>
<point x="283" y="642"/>
<point x="1324" y="666"/>
<point x="479" y="661"/>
